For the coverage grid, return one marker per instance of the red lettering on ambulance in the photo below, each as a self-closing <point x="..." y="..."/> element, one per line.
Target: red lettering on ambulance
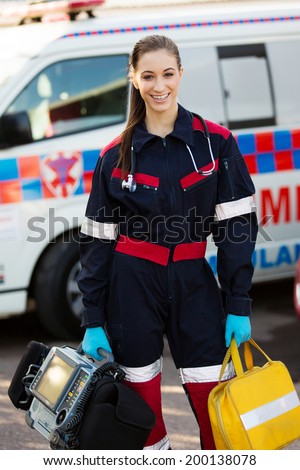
<point x="275" y="207"/>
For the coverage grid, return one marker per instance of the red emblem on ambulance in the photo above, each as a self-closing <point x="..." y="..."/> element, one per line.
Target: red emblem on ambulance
<point x="61" y="172"/>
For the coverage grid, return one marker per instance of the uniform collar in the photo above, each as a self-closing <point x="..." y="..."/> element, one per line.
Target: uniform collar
<point x="182" y="130"/>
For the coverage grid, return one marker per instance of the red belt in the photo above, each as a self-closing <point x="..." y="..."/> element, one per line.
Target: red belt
<point x="157" y="253"/>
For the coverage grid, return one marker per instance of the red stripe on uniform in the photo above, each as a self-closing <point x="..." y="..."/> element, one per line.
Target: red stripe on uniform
<point x="197" y="124"/>
<point x="117" y="173"/>
<point x="112" y="144"/>
<point x="140" y="178"/>
<point x="215" y="128"/>
<point x="149" y="180"/>
<point x="193" y="178"/>
<point x="185" y="251"/>
<point x="212" y="127"/>
<point x="141" y="249"/>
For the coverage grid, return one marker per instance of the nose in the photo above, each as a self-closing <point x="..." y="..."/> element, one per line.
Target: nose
<point x="159" y="85"/>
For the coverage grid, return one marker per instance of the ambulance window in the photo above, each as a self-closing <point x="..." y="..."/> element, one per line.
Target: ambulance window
<point x="247" y="86"/>
<point x="75" y="95"/>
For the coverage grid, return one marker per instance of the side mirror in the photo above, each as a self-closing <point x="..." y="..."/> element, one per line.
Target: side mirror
<point x="15" y="129"/>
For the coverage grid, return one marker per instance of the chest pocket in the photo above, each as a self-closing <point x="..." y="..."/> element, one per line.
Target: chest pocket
<point x="199" y="194"/>
<point x="143" y="200"/>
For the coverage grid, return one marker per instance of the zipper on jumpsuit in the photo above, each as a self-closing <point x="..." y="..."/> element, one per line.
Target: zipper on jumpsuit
<point x="173" y="198"/>
<point x="229" y="178"/>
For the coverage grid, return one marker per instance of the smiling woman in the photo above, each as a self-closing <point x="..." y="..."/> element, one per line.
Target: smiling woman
<point x="24" y="11"/>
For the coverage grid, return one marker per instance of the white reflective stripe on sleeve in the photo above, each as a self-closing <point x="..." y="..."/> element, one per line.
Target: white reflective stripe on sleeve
<point x="270" y="410"/>
<point x="99" y="230"/>
<point x="226" y="210"/>
<point x="206" y="374"/>
<point x="143" y="374"/>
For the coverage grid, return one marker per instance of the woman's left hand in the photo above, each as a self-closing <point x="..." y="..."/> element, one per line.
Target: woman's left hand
<point x="239" y="327"/>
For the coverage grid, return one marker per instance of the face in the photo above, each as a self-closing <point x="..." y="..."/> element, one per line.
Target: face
<point x="157" y="77"/>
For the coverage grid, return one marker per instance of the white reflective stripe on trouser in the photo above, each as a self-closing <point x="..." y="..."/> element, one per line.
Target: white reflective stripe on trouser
<point x="226" y="210"/>
<point x="164" y="444"/>
<point x="270" y="410"/>
<point x="206" y="374"/>
<point x="143" y="374"/>
<point x="101" y="230"/>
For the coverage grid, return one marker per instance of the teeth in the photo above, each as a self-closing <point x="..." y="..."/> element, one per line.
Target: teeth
<point x="160" y="97"/>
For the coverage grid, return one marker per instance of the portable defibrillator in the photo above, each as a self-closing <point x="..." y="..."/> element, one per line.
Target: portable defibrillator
<point x="62" y="393"/>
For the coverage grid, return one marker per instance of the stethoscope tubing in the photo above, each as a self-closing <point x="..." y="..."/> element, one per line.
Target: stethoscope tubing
<point x="130" y="184"/>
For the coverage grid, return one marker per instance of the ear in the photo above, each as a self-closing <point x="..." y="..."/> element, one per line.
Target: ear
<point x="134" y="83"/>
<point x="181" y="72"/>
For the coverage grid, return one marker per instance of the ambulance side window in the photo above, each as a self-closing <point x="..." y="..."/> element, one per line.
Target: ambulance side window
<point x="247" y="86"/>
<point x="75" y="95"/>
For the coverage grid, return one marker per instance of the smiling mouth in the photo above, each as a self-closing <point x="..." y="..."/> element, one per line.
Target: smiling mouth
<point x="159" y="98"/>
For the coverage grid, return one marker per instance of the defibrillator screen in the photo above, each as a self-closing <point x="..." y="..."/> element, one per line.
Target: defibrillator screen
<point x="54" y="380"/>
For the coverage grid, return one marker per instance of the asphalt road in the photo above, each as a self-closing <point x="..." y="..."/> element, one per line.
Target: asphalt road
<point x="275" y="328"/>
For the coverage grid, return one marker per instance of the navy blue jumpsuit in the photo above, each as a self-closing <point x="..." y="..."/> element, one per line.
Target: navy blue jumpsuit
<point x="144" y="273"/>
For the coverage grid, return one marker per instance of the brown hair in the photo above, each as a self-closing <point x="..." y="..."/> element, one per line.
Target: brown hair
<point x="137" y="109"/>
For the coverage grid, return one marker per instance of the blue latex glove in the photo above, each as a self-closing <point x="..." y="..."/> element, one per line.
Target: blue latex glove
<point x="95" y="338"/>
<point x="239" y="327"/>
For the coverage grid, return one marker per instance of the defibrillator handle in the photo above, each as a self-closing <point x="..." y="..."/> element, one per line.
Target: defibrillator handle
<point x="107" y="355"/>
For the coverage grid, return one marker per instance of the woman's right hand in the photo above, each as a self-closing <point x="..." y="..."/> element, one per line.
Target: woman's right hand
<point x="94" y="339"/>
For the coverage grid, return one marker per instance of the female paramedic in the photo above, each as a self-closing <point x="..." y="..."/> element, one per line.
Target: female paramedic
<point x="159" y="190"/>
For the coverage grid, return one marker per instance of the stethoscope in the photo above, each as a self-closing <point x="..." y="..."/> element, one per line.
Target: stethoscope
<point x="130" y="184"/>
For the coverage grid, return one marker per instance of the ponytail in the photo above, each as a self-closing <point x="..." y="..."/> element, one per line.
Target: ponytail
<point x="137" y="114"/>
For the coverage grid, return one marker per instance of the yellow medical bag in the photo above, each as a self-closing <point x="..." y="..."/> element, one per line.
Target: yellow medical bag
<point x="258" y="408"/>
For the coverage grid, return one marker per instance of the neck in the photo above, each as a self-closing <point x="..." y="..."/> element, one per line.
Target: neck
<point x="161" y="124"/>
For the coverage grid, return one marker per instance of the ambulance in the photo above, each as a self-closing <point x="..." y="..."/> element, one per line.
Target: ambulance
<point x="59" y="107"/>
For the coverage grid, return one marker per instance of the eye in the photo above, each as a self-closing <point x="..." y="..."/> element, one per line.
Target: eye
<point x="147" y="77"/>
<point x="169" y="74"/>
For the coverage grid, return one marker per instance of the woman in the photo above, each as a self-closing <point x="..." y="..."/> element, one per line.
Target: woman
<point x="159" y="190"/>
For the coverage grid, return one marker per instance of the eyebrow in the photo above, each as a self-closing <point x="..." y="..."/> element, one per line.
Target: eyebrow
<point x="150" y="71"/>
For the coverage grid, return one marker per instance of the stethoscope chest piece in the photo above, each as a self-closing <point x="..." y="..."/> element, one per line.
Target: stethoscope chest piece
<point x="130" y="184"/>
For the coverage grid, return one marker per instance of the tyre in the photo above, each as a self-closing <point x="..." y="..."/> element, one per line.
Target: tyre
<point x="73" y="16"/>
<point x="58" y="299"/>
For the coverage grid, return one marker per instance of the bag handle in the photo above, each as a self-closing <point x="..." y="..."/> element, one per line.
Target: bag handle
<point x="233" y="352"/>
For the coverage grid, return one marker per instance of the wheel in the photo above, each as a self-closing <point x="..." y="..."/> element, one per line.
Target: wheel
<point x="73" y="16"/>
<point x="59" y="301"/>
<point x="90" y="14"/>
